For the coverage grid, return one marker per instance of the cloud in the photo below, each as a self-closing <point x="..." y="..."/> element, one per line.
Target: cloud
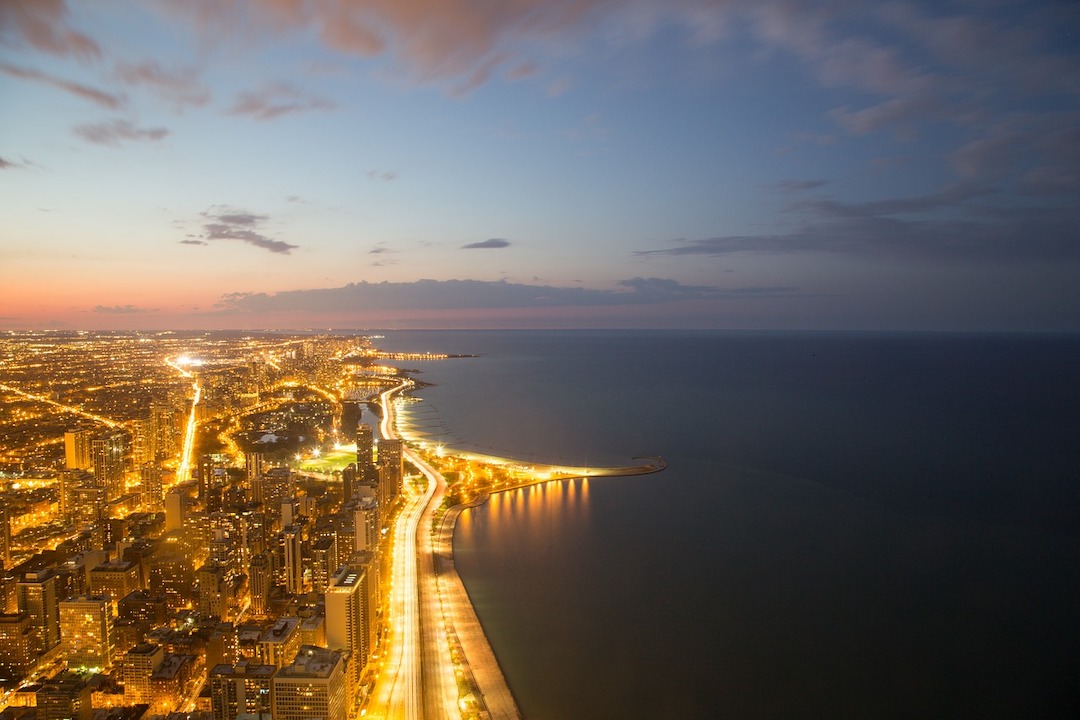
<point x="276" y="100"/>
<point x="99" y="97"/>
<point x="798" y="185"/>
<point x="192" y="242"/>
<point x="493" y="243"/>
<point x="386" y="176"/>
<point x="7" y="164"/>
<point x="960" y="224"/>
<point x="180" y="87"/>
<point x="122" y="309"/>
<point x="477" y="294"/>
<point x="229" y="224"/>
<point x="111" y="133"/>
<point x="43" y="24"/>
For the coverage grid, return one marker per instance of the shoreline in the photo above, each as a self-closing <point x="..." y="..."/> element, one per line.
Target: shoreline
<point x="483" y="689"/>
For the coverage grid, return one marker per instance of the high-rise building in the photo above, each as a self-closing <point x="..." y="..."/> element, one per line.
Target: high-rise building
<point x="260" y="580"/>
<point x="17" y="653"/>
<point x="312" y="686"/>
<point x="77" y="450"/>
<point x="65" y="697"/>
<point x="115" y="579"/>
<point x="365" y="454"/>
<point x="165" y="421"/>
<point x="176" y="510"/>
<point x="253" y="465"/>
<point x="37" y="596"/>
<point x="86" y="631"/>
<point x="70" y="481"/>
<point x="109" y="451"/>
<point x="292" y="543"/>
<point x="150" y="480"/>
<point x="348" y="481"/>
<point x="350" y="613"/>
<point x="5" y="538"/>
<point x="324" y="561"/>
<point x="241" y="688"/>
<point x="391" y="468"/>
<point x="213" y="592"/>
<point x="366" y="521"/>
<point x="139" y="665"/>
<point x="279" y="644"/>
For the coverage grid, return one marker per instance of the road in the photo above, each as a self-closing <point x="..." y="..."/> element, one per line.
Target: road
<point x="411" y="660"/>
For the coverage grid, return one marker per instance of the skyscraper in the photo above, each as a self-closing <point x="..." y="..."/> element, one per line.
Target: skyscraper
<point x="37" y="596"/>
<point x="86" y="631"/>
<point x="241" y="688"/>
<point x="17" y="653"/>
<point x="292" y="543"/>
<point x="139" y="664"/>
<point x="365" y="454"/>
<point x="312" y="686"/>
<point x="350" y="613"/>
<point x="108" y="451"/>
<point x="77" y="449"/>
<point x="5" y="538"/>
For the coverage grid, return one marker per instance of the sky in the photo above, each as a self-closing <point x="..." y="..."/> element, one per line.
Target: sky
<point x="834" y="165"/>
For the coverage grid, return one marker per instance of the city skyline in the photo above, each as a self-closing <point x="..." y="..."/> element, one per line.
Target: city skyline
<point x="579" y="163"/>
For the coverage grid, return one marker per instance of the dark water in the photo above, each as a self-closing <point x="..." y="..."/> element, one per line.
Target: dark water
<point x="850" y="526"/>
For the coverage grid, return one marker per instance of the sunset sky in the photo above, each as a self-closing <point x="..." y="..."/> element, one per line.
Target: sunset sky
<point x="540" y="163"/>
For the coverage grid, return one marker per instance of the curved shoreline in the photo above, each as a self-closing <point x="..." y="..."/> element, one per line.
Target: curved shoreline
<point x="482" y="686"/>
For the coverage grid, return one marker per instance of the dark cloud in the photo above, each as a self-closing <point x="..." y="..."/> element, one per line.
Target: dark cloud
<point x="492" y="244"/>
<point x="99" y="97"/>
<point x="276" y="100"/>
<point x="192" y="242"/>
<point x="179" y="87"/>
<point x="963" y="223"/>
<point x="797" y="185"/>
<point x="229" y="224"/>
<point x="476" y="294"/>
<point x="43" y="24"/>
<point x="122" y="309"/>
<point x="113" y="132"/>
<point x="6" y="164"/>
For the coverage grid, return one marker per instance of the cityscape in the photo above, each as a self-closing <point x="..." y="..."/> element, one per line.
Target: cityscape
<point x="230" y="525"/>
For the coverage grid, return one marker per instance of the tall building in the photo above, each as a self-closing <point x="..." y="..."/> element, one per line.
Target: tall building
<point x="77" y="450"/>
<point x="5" y="538"/>
<point x="261" y="579"/>
<point x="253" y="466"/>
<point x="324" y="561"/>
<point x="279" y="644"/>
<point x="115" y="580"/>
<point x="391" y="468"/>
<point x="365" y="454"/>
<point x="213" y="591"/>
<point x="37" y="596"/>
<point x="86" y="631"/>
<point x="165" y="430"/>
<point x="241" y="688"/>
<point x="139" y="665"/>
<point x="313" y="686"/>
<point x="65" y="697"/>
<point x="17" y="653"/>
<point x="350" y="613"/>
<point x="348" y="481"/>
<point x="367" y="522"/>
<point x="150" y="480"/>
<point x="292" y="543"/>
<point x="70" y="481"/>
<point x="108" y="451"/>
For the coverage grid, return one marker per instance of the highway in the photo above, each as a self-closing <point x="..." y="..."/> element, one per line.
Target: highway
<point x="400" y="688"/>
